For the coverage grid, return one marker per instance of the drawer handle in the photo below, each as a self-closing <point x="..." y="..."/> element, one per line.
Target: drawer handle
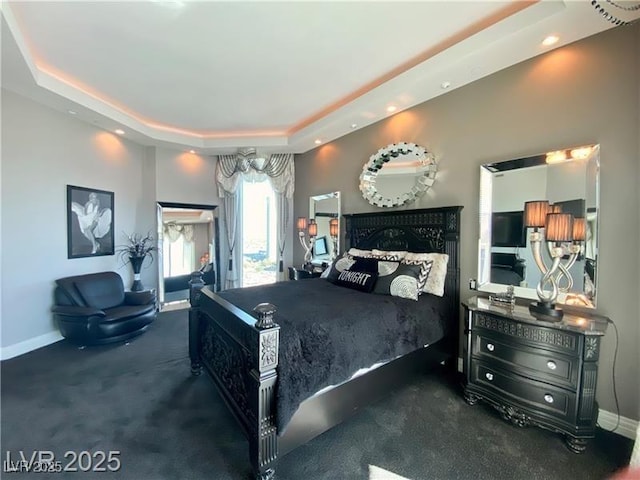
<point x="551" y="364"/>
<point x="491" y="347"/>
<point x="548" y="398"/>
<point x="489" y="376"/>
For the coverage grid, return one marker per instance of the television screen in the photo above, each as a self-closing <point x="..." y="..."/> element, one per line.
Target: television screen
<point x="507" y="229"/>
<point x="320" y="246"/>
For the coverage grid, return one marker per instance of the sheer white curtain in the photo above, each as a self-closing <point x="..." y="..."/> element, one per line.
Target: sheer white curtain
<point x="173" y="231"/>
<point x="178" y="248"/>
<point x="229" y="171"/>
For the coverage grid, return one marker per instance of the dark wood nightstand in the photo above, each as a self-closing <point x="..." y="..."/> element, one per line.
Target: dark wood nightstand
<point x="534" y="372"/>
<point x="300" y="274"/>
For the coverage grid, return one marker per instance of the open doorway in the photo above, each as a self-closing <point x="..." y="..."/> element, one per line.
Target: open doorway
<point x="188" y="241"/>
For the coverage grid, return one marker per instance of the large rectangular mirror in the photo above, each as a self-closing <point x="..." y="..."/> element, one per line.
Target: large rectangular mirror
<point x="325" y="209"/>
<point x="566" y="181"/>
<point x="188" y="241"/>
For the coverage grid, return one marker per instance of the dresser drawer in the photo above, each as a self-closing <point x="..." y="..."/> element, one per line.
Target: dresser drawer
<point x="525" y="392"/>
<point x="547" y="366"/>
<point x="513" y="332"/>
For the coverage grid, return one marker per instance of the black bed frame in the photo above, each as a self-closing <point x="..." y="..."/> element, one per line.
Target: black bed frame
<point x="241" y="353"/>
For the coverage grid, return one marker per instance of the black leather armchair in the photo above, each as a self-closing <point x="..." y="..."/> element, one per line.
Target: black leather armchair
<point x="94" y="309"/>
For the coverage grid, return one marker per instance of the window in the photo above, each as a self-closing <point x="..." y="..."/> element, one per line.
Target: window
<point x="259" y="237"/>
<point x="178" y="256"/>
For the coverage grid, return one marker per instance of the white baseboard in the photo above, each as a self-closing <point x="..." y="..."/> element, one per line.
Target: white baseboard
<point x="627" y="428"/>
<point x="26" y="346"/>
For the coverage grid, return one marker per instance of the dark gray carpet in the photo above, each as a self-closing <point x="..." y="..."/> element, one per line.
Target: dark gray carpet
<point x="140" y="399"/>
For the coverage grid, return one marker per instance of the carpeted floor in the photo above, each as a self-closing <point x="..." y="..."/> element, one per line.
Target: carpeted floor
<point x="140" y="399"/>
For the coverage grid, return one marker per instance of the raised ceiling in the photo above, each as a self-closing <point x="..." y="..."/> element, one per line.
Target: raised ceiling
<point x="218" y="76"/>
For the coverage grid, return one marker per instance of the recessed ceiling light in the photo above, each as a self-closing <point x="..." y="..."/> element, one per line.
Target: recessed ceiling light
<point x="318" y="141"/>
<point x="391" y="108"/>
<point x="354" y="125"/>
<point x="550" y="40"/>
<point x="72" y="112"/>
<point x="445" y="85"/>
<point x="119" y="131"/>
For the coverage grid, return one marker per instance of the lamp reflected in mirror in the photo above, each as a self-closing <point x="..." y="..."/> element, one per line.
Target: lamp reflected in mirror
<point x="334" y="231"/>
<point x="563" y="235"/>
<point x="311" y="228"/>
<point x="325" y="210"/>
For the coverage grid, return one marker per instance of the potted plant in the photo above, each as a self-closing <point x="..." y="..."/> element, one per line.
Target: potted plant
<point x="135" y="251"/>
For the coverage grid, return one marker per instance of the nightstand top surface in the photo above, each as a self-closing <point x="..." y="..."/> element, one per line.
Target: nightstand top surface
<point x="587" y="324"/>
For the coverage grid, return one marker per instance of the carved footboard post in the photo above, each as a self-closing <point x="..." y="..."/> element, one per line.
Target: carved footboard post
<point x="263" y="447"/>
<point x="195" y="285"/>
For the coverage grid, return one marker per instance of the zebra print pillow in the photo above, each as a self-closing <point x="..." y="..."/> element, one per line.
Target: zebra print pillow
<point x="388" y="255"/>
<point x="436" y="281"/>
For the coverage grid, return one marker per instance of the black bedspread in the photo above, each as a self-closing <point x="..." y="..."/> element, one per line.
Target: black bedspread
<point x="329" y="332"/>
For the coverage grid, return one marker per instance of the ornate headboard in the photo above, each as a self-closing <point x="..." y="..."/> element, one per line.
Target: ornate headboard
<point x="424" y="230"/>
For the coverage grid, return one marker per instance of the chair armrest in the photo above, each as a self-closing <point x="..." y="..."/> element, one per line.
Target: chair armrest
<point x="79" y="312"/>
<point x="139" y="298"/>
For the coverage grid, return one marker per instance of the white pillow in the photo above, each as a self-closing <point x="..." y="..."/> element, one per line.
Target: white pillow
<point x="438" y="274"/>
<point x="388" y="255"/>
<point x="356" y="252"/>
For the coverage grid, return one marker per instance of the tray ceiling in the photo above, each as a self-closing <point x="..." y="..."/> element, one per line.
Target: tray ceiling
<point x="218" y="76"/>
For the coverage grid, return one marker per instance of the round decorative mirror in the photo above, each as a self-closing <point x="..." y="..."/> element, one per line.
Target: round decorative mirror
<point x="397" y="174"/>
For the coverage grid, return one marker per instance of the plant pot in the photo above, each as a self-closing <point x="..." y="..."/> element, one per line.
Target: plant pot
<point x="136" y="266"/>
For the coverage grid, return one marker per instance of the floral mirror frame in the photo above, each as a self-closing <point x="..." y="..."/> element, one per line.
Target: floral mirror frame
<point x="405" y="152"/>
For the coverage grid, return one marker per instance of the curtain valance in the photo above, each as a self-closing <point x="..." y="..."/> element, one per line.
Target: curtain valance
<point x="173" y="231"/>
<point x="279" y="168"/>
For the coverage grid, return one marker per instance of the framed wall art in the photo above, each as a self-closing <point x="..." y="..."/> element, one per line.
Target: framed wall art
<point x="89" y="222"/>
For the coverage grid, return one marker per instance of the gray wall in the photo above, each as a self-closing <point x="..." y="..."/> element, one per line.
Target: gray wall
<point x="184" y="177"/>
<point x="587" y="92"/>
<point x="42" y="152"/>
